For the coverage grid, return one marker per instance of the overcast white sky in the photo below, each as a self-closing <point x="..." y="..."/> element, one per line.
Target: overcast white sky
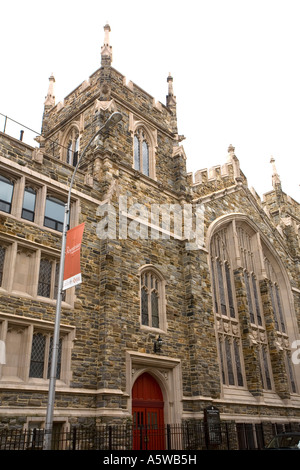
<point x="235" y="65"/>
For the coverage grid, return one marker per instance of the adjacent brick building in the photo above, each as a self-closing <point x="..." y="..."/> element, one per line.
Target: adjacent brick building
<point x="198" y="261"/>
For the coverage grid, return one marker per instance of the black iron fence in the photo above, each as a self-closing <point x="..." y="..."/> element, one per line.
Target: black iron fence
<point x="186" y="436"/>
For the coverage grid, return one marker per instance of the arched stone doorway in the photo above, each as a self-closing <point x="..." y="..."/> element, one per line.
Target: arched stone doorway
<point x="148" y="413"/>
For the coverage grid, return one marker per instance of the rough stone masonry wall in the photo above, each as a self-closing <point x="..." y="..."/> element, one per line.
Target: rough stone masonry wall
<point x="190" y="334"/>
<point x="241" y="201"/>
<point x="80" y="107"/>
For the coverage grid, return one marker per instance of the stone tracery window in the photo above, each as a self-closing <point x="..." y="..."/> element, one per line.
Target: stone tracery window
<point x="152" y="299"/>
<point x="223" y="289"/>
<point x="237" y="246"/>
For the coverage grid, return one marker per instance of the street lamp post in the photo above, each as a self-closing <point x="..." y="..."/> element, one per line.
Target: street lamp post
<point x="113" y="119"/>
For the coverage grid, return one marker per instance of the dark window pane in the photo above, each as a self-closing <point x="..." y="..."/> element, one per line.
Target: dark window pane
<point x="44" y="285"/>
<point x="75" y="154"/>
<point x="229" y="291"/>
<point x="221" y="288"/>
<point x="249" y="298"/>
<point x="229" y="362"/>
<point x="255" y="292"/>
<point x="144" y="301"/>
<point x="54" y="213"/>
<point x="136" y="153"/>
<point x="291" y="374"/>
<point x="145" y="150"/>
<point x="29" y="204"/>
<point x="274" y="307"/>
<point x="214" y="286"/>
<point x="2" y="256"/>
<point x="37" y="356"/>
<point x="280" y="309"/>
<point x="222" y="361"/>
<point x="6" y="193"/>
<point x="69" y="153"/>
<point x="154" y="309"/>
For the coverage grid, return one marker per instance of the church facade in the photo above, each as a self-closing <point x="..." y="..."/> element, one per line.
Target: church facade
<point x="190" y="293"/>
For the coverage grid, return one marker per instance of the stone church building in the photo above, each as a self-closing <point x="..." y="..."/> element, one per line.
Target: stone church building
<point x="190" y="293"/>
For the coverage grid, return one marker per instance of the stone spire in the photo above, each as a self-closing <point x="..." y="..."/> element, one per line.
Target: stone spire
<point x="171" y="99"/>
<point x="276" y="183"/>
<point x="171" y="103"/>
<point x="50" y="98"/>
<point x="232" y="158"/>
<point x="106" y="50"/>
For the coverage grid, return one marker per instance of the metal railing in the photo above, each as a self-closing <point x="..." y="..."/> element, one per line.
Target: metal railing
<point x="186" y="436"/>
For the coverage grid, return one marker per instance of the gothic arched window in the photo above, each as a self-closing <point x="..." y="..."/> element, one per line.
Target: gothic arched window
<point x="240" y="258"/>
<point x="141" y="152"/>
<point x="72" y="146"/>
<point x="152" y="299"/>
<point x="225" y="310"/>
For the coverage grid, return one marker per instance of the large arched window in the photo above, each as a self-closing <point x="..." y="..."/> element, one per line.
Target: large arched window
<point x="152" y="294"/>
<point x="229" y="339"/>
<point x="240" y="258"/>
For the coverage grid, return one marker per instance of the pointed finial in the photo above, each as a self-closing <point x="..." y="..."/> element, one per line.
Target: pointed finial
<point x="275" y="175"/>
<point x="231" y="149"/>
<point x="171" y="99"/>
<point x="106" y="50"/>
<point x="50" y="98"/>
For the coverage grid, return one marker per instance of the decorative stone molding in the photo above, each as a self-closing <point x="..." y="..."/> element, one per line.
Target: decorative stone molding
<point x="37" y="156"/>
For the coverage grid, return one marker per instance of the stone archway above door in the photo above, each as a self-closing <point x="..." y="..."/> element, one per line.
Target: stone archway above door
<point x="167" y="373"/>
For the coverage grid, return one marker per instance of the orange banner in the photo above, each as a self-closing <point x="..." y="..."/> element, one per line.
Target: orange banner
<point x="72" y="273"/>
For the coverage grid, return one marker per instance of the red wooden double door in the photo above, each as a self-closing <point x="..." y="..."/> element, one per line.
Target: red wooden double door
<point x="148" y="414"/>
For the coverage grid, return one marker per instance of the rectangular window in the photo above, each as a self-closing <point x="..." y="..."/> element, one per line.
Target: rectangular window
<point x="45" y="274"/>
<point x="48" y="278"/>
<point x="29" y="204"/>
<point x="54" y="213"/>
<point x="41" y="355"/>
<point x="29" y="350"/>
<point x="6" y="194"/>
<point x="37" y="355"/>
